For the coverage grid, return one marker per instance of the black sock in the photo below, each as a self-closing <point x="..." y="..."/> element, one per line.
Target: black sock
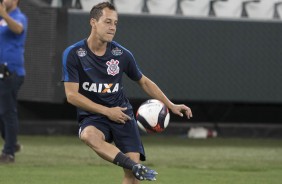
<point x="123" y="161"/>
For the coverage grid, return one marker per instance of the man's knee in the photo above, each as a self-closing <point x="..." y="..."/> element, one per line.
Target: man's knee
<point x="92" y="137"/>
<point x="134" y="156"/>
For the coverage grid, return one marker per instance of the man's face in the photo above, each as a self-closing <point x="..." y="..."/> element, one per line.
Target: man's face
<point x="9" y="4"/>
<point x="107" y="25"/>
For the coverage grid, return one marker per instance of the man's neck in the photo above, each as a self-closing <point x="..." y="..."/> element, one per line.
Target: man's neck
<point x="11" y="9"/>
<point x="96" y="46"/>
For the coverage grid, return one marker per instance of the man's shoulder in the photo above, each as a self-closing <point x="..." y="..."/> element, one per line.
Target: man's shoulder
<point x="18" y="12"/>
<point x="18" y="15"/>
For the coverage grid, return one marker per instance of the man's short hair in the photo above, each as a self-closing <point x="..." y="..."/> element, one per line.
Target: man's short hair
<point x="96" y="11"/>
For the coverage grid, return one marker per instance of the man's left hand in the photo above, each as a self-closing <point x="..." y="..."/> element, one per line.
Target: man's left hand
<point x="181" y="109"/>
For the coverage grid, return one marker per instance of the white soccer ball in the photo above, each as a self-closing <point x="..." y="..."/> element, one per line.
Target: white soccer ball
<point x="152" y="116"/>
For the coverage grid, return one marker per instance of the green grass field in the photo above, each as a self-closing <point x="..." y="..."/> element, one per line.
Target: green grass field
<point x="66" y="160"/>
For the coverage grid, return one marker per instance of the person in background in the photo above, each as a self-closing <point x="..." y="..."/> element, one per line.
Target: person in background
<point x="13" y="30"/>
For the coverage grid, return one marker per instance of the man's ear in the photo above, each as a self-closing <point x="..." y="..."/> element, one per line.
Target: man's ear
<point x="93" y="22"/>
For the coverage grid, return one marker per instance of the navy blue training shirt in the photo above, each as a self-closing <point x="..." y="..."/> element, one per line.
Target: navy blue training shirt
<point x="100" y="77"/>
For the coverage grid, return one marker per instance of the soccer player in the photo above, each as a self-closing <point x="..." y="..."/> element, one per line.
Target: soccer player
<point x="92" y="75"/>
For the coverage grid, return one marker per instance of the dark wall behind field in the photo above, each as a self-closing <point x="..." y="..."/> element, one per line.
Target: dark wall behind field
<point x="226" y="70"/>
<point x="201" y="59"/>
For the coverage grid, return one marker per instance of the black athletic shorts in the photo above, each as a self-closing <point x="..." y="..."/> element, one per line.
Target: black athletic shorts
<point x="125" y="136"/>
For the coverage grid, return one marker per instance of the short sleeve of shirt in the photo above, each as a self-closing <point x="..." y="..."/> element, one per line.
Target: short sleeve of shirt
<point x="70" y="68"/>
<point x="132" y="70"/>
<point x="22" y="20"/>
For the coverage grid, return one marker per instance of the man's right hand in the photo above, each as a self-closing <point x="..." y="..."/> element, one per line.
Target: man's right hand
<point x="2" y="10"/>
<point x="116" y="114"/>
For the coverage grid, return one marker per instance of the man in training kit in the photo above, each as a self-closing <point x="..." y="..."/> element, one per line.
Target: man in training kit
<point x="13" y="30"/>
<point x="92" y="75"/>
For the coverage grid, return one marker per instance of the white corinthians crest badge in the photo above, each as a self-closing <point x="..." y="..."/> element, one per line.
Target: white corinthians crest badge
<point x="113" y="67"/>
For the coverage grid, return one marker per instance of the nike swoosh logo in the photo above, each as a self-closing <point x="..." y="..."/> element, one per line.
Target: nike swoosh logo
<point x="86" y="69"/>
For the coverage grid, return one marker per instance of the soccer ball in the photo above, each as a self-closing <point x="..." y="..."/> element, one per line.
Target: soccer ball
<point x="152" y="116"/>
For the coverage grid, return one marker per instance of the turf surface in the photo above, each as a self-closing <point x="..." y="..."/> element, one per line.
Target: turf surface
<point x="178" y="160"/>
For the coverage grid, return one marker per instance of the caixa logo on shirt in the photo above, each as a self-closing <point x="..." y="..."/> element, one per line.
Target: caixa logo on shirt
<point x="100" y="87"/>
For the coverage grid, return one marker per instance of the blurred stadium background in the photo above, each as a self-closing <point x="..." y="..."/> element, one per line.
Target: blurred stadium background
<point x="220" y="57"/>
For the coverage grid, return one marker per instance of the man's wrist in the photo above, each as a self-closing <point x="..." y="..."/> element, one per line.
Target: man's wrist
<point x="104" y="111"/>
<point x="170" y="105"/>
<point x="4" y="15"/>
